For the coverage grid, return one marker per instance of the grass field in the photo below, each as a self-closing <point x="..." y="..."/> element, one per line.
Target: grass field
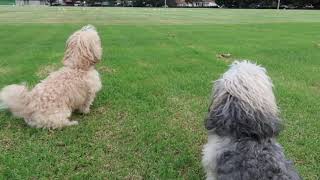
<point x="7" y="2"/>
<point x="158" y="65"/>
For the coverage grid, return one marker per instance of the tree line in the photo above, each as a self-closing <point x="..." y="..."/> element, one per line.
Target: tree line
<point x="307" y="4"/>
<point x="285" y="4"/>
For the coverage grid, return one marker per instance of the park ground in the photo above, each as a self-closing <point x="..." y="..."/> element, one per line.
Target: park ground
<point x="157" y="72"/>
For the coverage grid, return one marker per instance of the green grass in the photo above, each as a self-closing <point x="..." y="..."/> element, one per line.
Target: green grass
<point x="7" y="2"/>
<point x="158" y="65"/>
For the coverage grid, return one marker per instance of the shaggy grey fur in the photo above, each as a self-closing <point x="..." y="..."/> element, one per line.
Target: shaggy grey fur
<point x="250" y="151"/>
<point x="248" y="159"/>
<point x="229" y="119"/>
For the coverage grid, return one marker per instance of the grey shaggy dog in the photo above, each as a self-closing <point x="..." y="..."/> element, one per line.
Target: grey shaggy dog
<point x="243" y="122"/>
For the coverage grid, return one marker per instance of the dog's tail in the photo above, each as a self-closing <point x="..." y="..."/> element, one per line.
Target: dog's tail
<point x="15" y="98"/>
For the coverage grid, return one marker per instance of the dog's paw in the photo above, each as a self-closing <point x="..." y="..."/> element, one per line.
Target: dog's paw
<point x="72" y="123"/>
<point x="85" y="110"/>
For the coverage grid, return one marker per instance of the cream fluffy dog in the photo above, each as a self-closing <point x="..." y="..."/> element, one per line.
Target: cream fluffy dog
<point x="73" y="87"/>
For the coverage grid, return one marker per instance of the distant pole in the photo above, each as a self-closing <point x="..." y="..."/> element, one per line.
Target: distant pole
<point x="278" y="7"/>
<point x="165" y="3"/>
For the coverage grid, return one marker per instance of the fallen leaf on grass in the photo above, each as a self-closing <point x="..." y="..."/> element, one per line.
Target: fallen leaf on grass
<point x="225" y="57"/>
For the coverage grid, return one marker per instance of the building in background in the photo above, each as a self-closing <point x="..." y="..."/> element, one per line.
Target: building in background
<point x="201" y="3"/>
<point x="30" y="2"/>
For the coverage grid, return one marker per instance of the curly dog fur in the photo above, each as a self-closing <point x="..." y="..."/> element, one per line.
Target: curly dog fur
<point x="243" y="122"/>
<point x="73" y="87"/>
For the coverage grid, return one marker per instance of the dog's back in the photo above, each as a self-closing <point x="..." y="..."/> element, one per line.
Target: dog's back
<point x="252" y="160"/>
<point x="61" y="88"/>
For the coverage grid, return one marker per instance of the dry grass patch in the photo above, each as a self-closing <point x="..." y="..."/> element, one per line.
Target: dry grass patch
<point x="185" y="115"/>
<point x="144" y="64"/>
<point x="102" y="110"/>
<point x="6" y="143"/>
<point x="106" y="69"/>
<point x="44" y="71"/>
<point x="133" y="177"/>
<point x="4" y="70"/>
<point x="316" y="44"/>
<point x="316" y="87"/>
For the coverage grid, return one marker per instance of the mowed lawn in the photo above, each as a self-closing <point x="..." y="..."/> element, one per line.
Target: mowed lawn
<point x="157" y="72"/>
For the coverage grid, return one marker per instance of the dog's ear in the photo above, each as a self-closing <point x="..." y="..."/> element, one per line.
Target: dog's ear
<point x="83" y="49"/>
<point x="229" y="118"/>
<point x="217" y="97"/>
<point x="210" y="120"/>
<point x="89" y="46"/>
<point x="92" y="45"/>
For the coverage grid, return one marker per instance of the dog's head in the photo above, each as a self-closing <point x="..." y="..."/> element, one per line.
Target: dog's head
<point x="83" y="48"/>
<point x="243" y="104"/>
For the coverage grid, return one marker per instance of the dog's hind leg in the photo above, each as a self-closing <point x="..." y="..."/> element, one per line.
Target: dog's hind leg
<point x="62" y="120"/>
<point x="69" y="123"/>
<point x="56" y="120"/>
<point x="58" y="124"/>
